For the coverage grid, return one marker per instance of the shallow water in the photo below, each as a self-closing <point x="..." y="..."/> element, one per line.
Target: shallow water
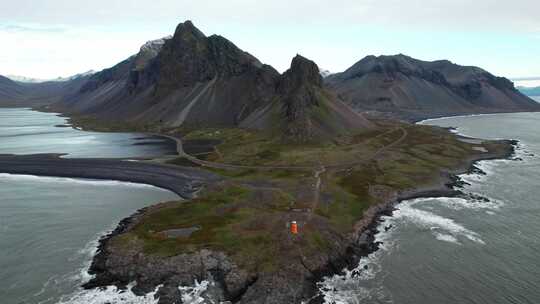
<point x="452" y="250"/>
<point x="49" y="226"/>
<point x="29" y="132"/>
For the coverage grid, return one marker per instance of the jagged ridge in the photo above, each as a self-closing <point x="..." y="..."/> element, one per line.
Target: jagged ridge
<point x="197" y="81"/>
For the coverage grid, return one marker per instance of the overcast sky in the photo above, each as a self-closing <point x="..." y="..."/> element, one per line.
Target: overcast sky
<point x="51" y="38"/>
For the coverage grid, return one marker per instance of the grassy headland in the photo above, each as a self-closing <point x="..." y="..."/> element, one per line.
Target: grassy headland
<point x="327" y="188"/>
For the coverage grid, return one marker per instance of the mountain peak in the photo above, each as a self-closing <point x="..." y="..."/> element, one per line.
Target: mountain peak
<point x="308" y="109"/>
<point x="188" y="31"/>
<point x="302" y="72"/>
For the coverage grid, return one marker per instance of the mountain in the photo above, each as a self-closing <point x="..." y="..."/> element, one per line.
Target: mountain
<point x="303" y="110"/>
<point x="403" y="87"/>
<point x="530" y="91"/>
<point x="10" y="91"/>
<point x="24" y="79"/>
<point x="193" y="80"/>
<point x="188" y="79"/>
<point x="28" y="94"/>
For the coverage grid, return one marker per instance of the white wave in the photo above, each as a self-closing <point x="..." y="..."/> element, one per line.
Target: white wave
<point x="87" y="254"/>
<point x="365" y="285"/>
<point x="82" y="181"/>
<point x="432" y="221"/>
<point x="352" y="286"/>
<point x="110" y="295"/>
<point x="446" y="238"/>
<point x="488" y="167"/>
<point x="457" y="203"/>
<point x="193" y="294"/>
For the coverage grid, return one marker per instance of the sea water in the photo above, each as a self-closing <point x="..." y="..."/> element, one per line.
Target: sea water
<point x="461" y="250"/>
<point x="49" y="227"/>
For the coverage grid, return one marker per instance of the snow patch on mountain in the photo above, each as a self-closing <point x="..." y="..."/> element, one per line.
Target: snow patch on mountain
<point x="58" y="79"/>
<point x="325" y="73"/>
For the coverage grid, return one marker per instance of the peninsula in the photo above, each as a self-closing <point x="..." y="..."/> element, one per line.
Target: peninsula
<point x="259" y="150"/>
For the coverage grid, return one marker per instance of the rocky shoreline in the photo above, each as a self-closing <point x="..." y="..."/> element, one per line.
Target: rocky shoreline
<point x="230" y="283"/>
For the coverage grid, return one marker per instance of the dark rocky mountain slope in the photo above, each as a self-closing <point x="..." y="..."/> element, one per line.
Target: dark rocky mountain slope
<point x="197" y="81"/>
<point x="404" y="87"/>
<point x="189" y="79"/>
<point x="303" y="109"/>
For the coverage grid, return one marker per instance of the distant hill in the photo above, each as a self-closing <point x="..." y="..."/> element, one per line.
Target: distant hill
<point x="530" y="91"/>
<point x="10" y="91"/>
<point x="24" y="79"/>
<point x="403" y="87"/>
<point x="28" y="94"/>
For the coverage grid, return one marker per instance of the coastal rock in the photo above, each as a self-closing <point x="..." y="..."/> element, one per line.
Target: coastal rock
<point x="120" y="262"/>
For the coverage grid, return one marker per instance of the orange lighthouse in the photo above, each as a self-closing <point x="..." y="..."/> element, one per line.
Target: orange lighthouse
<point x="294" y="227"/>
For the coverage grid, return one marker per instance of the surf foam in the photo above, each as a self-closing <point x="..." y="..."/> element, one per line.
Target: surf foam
<point x="82" y="181"/>
<point x="110" y="295"/>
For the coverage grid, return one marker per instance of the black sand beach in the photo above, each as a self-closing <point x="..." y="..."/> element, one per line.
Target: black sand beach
<point x="183" y="181"/>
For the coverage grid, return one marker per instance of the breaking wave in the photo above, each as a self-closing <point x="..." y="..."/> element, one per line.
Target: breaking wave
<point x="436" y="223"/>
<point x="364" y="284"/>
<point x="82" y="181"/>
<point x="110" y="295"/>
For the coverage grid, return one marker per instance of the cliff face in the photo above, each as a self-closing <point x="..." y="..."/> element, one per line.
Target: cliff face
<point x="300" y="90"/>
<point x="303" y="110"/>
<point x="403" y="87"/>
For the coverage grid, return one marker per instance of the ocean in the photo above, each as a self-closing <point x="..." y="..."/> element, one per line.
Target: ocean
<point x="49" y="227"/>
<point x="454" y="250"/>
<point x="23" y="131"/>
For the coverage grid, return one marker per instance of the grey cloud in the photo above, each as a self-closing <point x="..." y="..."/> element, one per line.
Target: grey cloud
<point x="516" y="15"/>
<point x="23" y="28"/>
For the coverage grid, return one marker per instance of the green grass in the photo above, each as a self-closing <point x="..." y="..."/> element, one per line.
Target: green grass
<point x="241" y="216"/>
<point x="225" y="217"/>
